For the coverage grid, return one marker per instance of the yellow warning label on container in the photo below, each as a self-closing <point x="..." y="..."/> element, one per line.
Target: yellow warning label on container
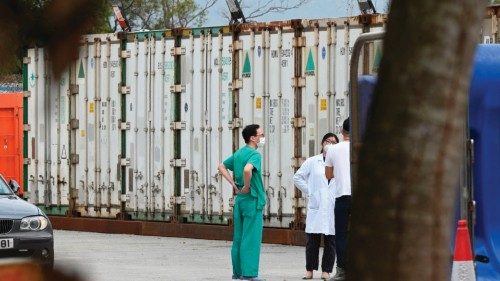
<point x="322" y="104"/>
<point x="82" y="133"/>
<point x="258" y="103"/>
<point x="91" y="107"/>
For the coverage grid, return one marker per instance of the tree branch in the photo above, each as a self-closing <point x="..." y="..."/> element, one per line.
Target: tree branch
<point x="201" y="11"/>
<point x="272" y="6"/>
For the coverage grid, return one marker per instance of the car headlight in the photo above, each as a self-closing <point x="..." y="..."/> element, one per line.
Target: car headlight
<point x="34" y="223"/>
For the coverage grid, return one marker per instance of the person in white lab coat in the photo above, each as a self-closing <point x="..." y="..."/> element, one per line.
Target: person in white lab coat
<point x="311" y="180"/>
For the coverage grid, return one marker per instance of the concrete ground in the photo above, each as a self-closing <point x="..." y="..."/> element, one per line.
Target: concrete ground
<point x="109" y="257"/>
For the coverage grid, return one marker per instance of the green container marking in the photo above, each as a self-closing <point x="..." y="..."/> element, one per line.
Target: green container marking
<point x="247" y="68"/>
<point x="215" y="30"/>
<point x="25" y="121"/>
<point x="197" y="218"/>
<point x="310" y="67"/>
<point x="54" y="210"/>
<point x="123" y="116"/>
<point x="142" y="216"/>
<point x="177" y="133"/>
<point x="377" y="59"/>
<point x="81" y="72"/>
<point x="143" y="35"/>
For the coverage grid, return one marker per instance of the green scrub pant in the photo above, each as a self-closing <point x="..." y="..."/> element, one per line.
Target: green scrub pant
<point x="247" y="236"/>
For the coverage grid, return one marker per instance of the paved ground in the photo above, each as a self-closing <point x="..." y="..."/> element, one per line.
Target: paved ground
<point x="109" y="257"/>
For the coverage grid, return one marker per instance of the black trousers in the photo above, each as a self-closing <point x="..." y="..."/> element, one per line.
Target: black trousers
<point x="313" y="241"/>
<point x="342" y="215"/>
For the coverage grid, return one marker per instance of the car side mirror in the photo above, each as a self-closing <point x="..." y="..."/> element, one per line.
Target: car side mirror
<point x="14" y="186"/>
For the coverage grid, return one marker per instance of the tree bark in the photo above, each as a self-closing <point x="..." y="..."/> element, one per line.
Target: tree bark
<point x="409" y="163"/>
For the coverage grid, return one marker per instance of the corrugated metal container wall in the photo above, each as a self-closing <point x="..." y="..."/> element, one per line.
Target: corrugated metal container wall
<point x="96" y="153"/>
<point x="11" y="137"/>
<point x="141" y="122"/>
<point x="48" y="147"/>
<point x="294" y="74"/>
<point x="140" y="109"/>
<point x="208" y="78"/>
<point x="266" y="97"/>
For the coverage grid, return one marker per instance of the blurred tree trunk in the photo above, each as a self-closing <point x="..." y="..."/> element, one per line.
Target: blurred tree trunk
<point x="409" y="164"/>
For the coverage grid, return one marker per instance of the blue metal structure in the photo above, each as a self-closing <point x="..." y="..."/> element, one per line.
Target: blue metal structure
<point x="484" y="123"/>
<point x="484" y="126"/>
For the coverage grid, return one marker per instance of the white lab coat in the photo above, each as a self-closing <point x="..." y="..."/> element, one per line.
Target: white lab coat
<point x="311" y="180"/>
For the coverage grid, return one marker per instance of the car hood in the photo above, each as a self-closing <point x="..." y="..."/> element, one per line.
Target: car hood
<point x="13" y="207"/>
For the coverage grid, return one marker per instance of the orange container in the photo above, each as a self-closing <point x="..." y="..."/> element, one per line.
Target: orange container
<point x="11" y="137"/>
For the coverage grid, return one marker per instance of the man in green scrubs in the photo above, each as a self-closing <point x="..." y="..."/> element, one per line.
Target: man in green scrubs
<point x="246" y="164"/>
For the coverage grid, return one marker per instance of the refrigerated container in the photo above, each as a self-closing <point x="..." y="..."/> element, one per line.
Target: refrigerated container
<point x="137" y="125"/>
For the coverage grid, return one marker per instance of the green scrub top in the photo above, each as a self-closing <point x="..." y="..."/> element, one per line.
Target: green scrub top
<point x="237" y="162"/>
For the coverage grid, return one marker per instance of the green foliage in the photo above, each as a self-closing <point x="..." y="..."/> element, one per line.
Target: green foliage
<point x="101" y="22"/>
<point x="164" y="14"/>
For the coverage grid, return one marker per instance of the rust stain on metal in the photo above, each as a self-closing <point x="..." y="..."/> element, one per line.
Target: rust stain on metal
<point x="165" y="229"/>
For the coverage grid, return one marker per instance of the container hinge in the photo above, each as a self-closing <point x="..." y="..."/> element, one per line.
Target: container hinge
<point x="494" y="28"/>
<point x="236" y="123"/>
<point x="177" y="88"/>
<point x="26" y="94"/>
<point x="177" y="125"/>
<point x="299" y="122"/>
<point x="297" y="162"/>
<point x="26" y="60"/>
<point x="124" y="89"/>
<point x="74" y="158"/>
<point x="125" y="198"/>
<point x="125" y="161"/>
<point x="236" y="46"/>
<point x="73" y="193"/>
<point x="124" y="126"/>
<point x="177" y="200"/>
<point x="26" y="127"/>
<point x="237" y="84"/>
<point x="178" y="162"/>
<point x="73" y="89"/>
<point x="26" y="161"/>
<point x="74" y="124"/>
<point x="298" y="82"/>
<point x="125" y="54"/>
<point x="299" y="42"/>
<point x="178" y="51"/>
<point x="300" y="202"/>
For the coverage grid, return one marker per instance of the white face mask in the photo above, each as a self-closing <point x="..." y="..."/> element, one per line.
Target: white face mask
<point x="262" y="141"/>
<point x="326" y="147"/>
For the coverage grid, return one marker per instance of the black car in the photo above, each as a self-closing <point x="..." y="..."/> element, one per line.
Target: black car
<point x="25" y="231"/>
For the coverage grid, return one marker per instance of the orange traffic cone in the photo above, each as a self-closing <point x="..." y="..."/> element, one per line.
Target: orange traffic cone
<point x="463" y="265"/>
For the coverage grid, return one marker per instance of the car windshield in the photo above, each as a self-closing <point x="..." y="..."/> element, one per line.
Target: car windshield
<point x="4" y="188"/>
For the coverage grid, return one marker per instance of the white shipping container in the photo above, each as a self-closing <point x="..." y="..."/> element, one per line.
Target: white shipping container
<point x="490" y="27"/>
<point x="97" y="76"/>
<point x="140" y="121"/>
<point x="47" y="138"/>
<point x="324" y="48"/>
